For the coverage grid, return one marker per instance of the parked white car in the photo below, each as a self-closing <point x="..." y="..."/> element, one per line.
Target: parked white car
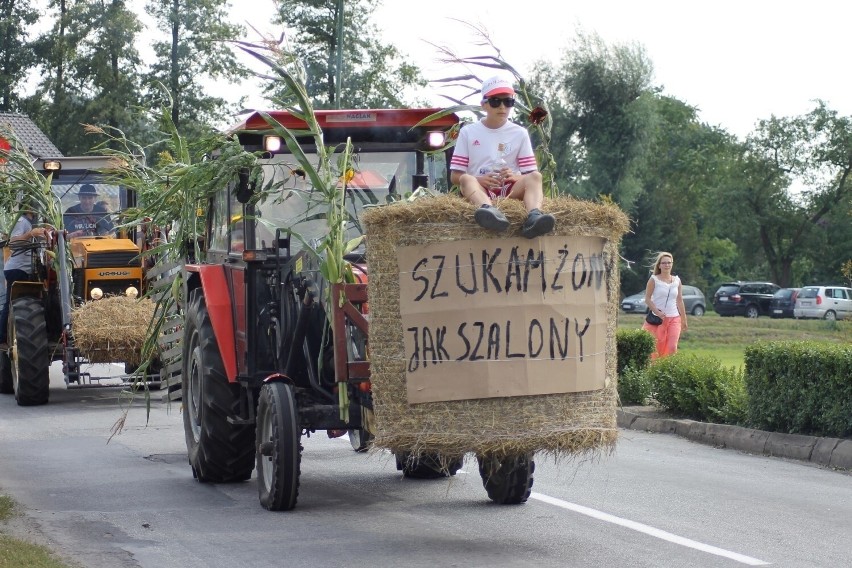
<point x="824" y="302"/>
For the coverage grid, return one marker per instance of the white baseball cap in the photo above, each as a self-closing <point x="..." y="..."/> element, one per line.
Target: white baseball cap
<point x="496" y="86"/>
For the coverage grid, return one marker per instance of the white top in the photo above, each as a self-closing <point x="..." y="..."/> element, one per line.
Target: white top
<point x="479" y="148"/>
<point x="661" y="291"/>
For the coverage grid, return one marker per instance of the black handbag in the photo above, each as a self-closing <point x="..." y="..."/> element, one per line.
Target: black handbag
<point x="654" y="319"/>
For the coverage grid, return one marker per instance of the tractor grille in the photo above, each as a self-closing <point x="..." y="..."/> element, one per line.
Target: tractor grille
<point x="116" y="259"/>
<point x="113" y="287"/>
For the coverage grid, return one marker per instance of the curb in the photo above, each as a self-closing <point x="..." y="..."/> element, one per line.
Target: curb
<point x="827" y="452"/>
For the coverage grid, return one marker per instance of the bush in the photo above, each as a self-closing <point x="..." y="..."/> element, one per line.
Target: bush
<point x="800" y="387"/>
<point x="634" y="348"/>
<point x="699" y="388"/>
<point x="633" y="386"/>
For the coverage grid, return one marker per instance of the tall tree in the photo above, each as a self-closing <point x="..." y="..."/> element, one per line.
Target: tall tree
<point x="603" y="103"/>
<point x="196" y="53"/>
<point x="91" y="71"/>
<point x="16" y="52"/>
<point x="56" y="102"/>
<point x="107" y="63"/>
<point x="686" y="160"/>
<point x="795" y="173"/>
<point x="374" y="74"/>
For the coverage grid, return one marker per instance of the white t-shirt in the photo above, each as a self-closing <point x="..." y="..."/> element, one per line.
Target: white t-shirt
<point x="479" y="148"/>
<point x="663" y="290"/>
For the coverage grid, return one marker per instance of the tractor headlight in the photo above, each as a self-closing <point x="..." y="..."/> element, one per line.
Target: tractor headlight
<point x="131" y="292"/>
<point x="96" y="293"/>
<point x="436" y="139"/>
<point x="272" y="143"/>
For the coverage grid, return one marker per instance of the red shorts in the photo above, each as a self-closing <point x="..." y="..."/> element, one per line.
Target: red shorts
<point x="502" y="192"/>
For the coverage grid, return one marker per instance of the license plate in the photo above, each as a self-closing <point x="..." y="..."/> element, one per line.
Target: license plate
<point x="806" y="304"/>
<point x="626" y="306"/>
<point x="777" y="311"/>
<point x="723" y="298"/>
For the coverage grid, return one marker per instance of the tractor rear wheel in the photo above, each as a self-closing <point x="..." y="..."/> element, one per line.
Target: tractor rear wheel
<point x="28" y="351"/>
<point x="426" y="466"/>
<point x="6" y="384"/>
<point x="279" y="451"/>
<point x="219" y="451"/>
<point x="508" y="480"/>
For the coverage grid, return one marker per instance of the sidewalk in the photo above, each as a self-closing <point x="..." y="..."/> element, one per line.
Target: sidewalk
<point x="828" y="452"/>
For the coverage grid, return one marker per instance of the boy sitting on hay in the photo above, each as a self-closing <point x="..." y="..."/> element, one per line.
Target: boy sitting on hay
<point x="494" y="158"/>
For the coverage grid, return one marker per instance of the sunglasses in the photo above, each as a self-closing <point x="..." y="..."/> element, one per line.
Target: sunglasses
<point x="496" y="101"/>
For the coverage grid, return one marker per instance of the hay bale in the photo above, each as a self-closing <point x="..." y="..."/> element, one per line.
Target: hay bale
<point x="563" y="424"/>
<point x="112" y="329"/>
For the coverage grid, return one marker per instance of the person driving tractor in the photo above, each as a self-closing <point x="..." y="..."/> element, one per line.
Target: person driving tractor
<point x="87" y="218"/>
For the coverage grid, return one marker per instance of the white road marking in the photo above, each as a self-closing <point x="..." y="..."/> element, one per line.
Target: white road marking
<point x="651" y="531"/>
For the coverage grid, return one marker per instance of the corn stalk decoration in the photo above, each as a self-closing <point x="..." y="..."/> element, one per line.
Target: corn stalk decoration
<point x="21" y="185"/>
<point x="176" y="188"/>
<point x="324" y="178"/>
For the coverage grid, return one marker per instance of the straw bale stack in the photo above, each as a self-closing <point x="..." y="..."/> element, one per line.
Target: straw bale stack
<point x="112" y="329"/>
<point x="564" y="424"/>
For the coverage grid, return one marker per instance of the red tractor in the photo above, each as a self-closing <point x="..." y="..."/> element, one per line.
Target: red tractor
<point x="262" y="364"/>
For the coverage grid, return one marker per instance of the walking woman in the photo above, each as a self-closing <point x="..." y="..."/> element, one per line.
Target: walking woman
<point x="664" y="297"/>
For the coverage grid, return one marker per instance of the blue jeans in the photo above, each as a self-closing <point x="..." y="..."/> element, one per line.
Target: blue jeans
<point x="11" y="277"/>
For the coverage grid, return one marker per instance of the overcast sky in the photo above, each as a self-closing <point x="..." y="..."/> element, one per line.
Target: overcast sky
<point x="737" y="61"/>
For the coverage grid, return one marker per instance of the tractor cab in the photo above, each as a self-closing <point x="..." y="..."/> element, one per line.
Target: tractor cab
<point x="392" y="159"/>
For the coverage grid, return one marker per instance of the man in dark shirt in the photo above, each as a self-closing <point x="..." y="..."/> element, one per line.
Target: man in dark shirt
<point x="86" y="218"/>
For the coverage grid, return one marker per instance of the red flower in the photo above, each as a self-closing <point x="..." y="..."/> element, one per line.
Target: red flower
<point x="538" y="115"/>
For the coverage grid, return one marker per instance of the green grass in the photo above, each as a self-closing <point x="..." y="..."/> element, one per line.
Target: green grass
<point x="16" y="553"/>
<point x="727" y="338"/>
<point x="7" y="507"/>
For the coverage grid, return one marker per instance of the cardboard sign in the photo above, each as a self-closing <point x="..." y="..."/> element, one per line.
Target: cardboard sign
<point x="503" y="317"/>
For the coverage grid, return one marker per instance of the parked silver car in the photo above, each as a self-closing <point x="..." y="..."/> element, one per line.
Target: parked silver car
<point x="693" y="301"/>
<point x="824" y="302"/>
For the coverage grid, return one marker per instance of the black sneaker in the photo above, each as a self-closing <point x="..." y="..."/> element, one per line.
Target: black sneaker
<point x="537" y="224"/>
<point x="491" y="218"/>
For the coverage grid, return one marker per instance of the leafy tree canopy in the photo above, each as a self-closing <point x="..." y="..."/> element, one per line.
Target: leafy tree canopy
<point x="374" y="74"/>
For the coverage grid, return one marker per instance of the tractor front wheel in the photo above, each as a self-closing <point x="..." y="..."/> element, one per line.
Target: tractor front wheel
<point x="28" y="351"/>
<point x="279" y="451"/>
<point x="508" y="480"/>
<point x="219" y="451"/>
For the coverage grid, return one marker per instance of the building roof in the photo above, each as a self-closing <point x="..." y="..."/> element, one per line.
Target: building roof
<point x="36" y="142"/>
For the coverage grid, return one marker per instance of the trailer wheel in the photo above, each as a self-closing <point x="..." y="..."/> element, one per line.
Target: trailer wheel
<point x="28" y="351"/>
<point x="6" y="384"/>
<point x="508" y="480"/>
<point x="279" y="451"/>
<point x="426" y="466"/>
<point x="218" y="450"/>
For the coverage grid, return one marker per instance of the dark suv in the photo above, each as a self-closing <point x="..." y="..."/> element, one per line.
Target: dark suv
<point x="750" y="299"/>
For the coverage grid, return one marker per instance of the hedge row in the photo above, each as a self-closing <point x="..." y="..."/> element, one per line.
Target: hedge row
<point x="790" y="386"/>
<point x="800" y="387"/>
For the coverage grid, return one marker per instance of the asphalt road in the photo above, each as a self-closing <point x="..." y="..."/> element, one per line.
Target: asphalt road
<point x="658" y="501"/>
